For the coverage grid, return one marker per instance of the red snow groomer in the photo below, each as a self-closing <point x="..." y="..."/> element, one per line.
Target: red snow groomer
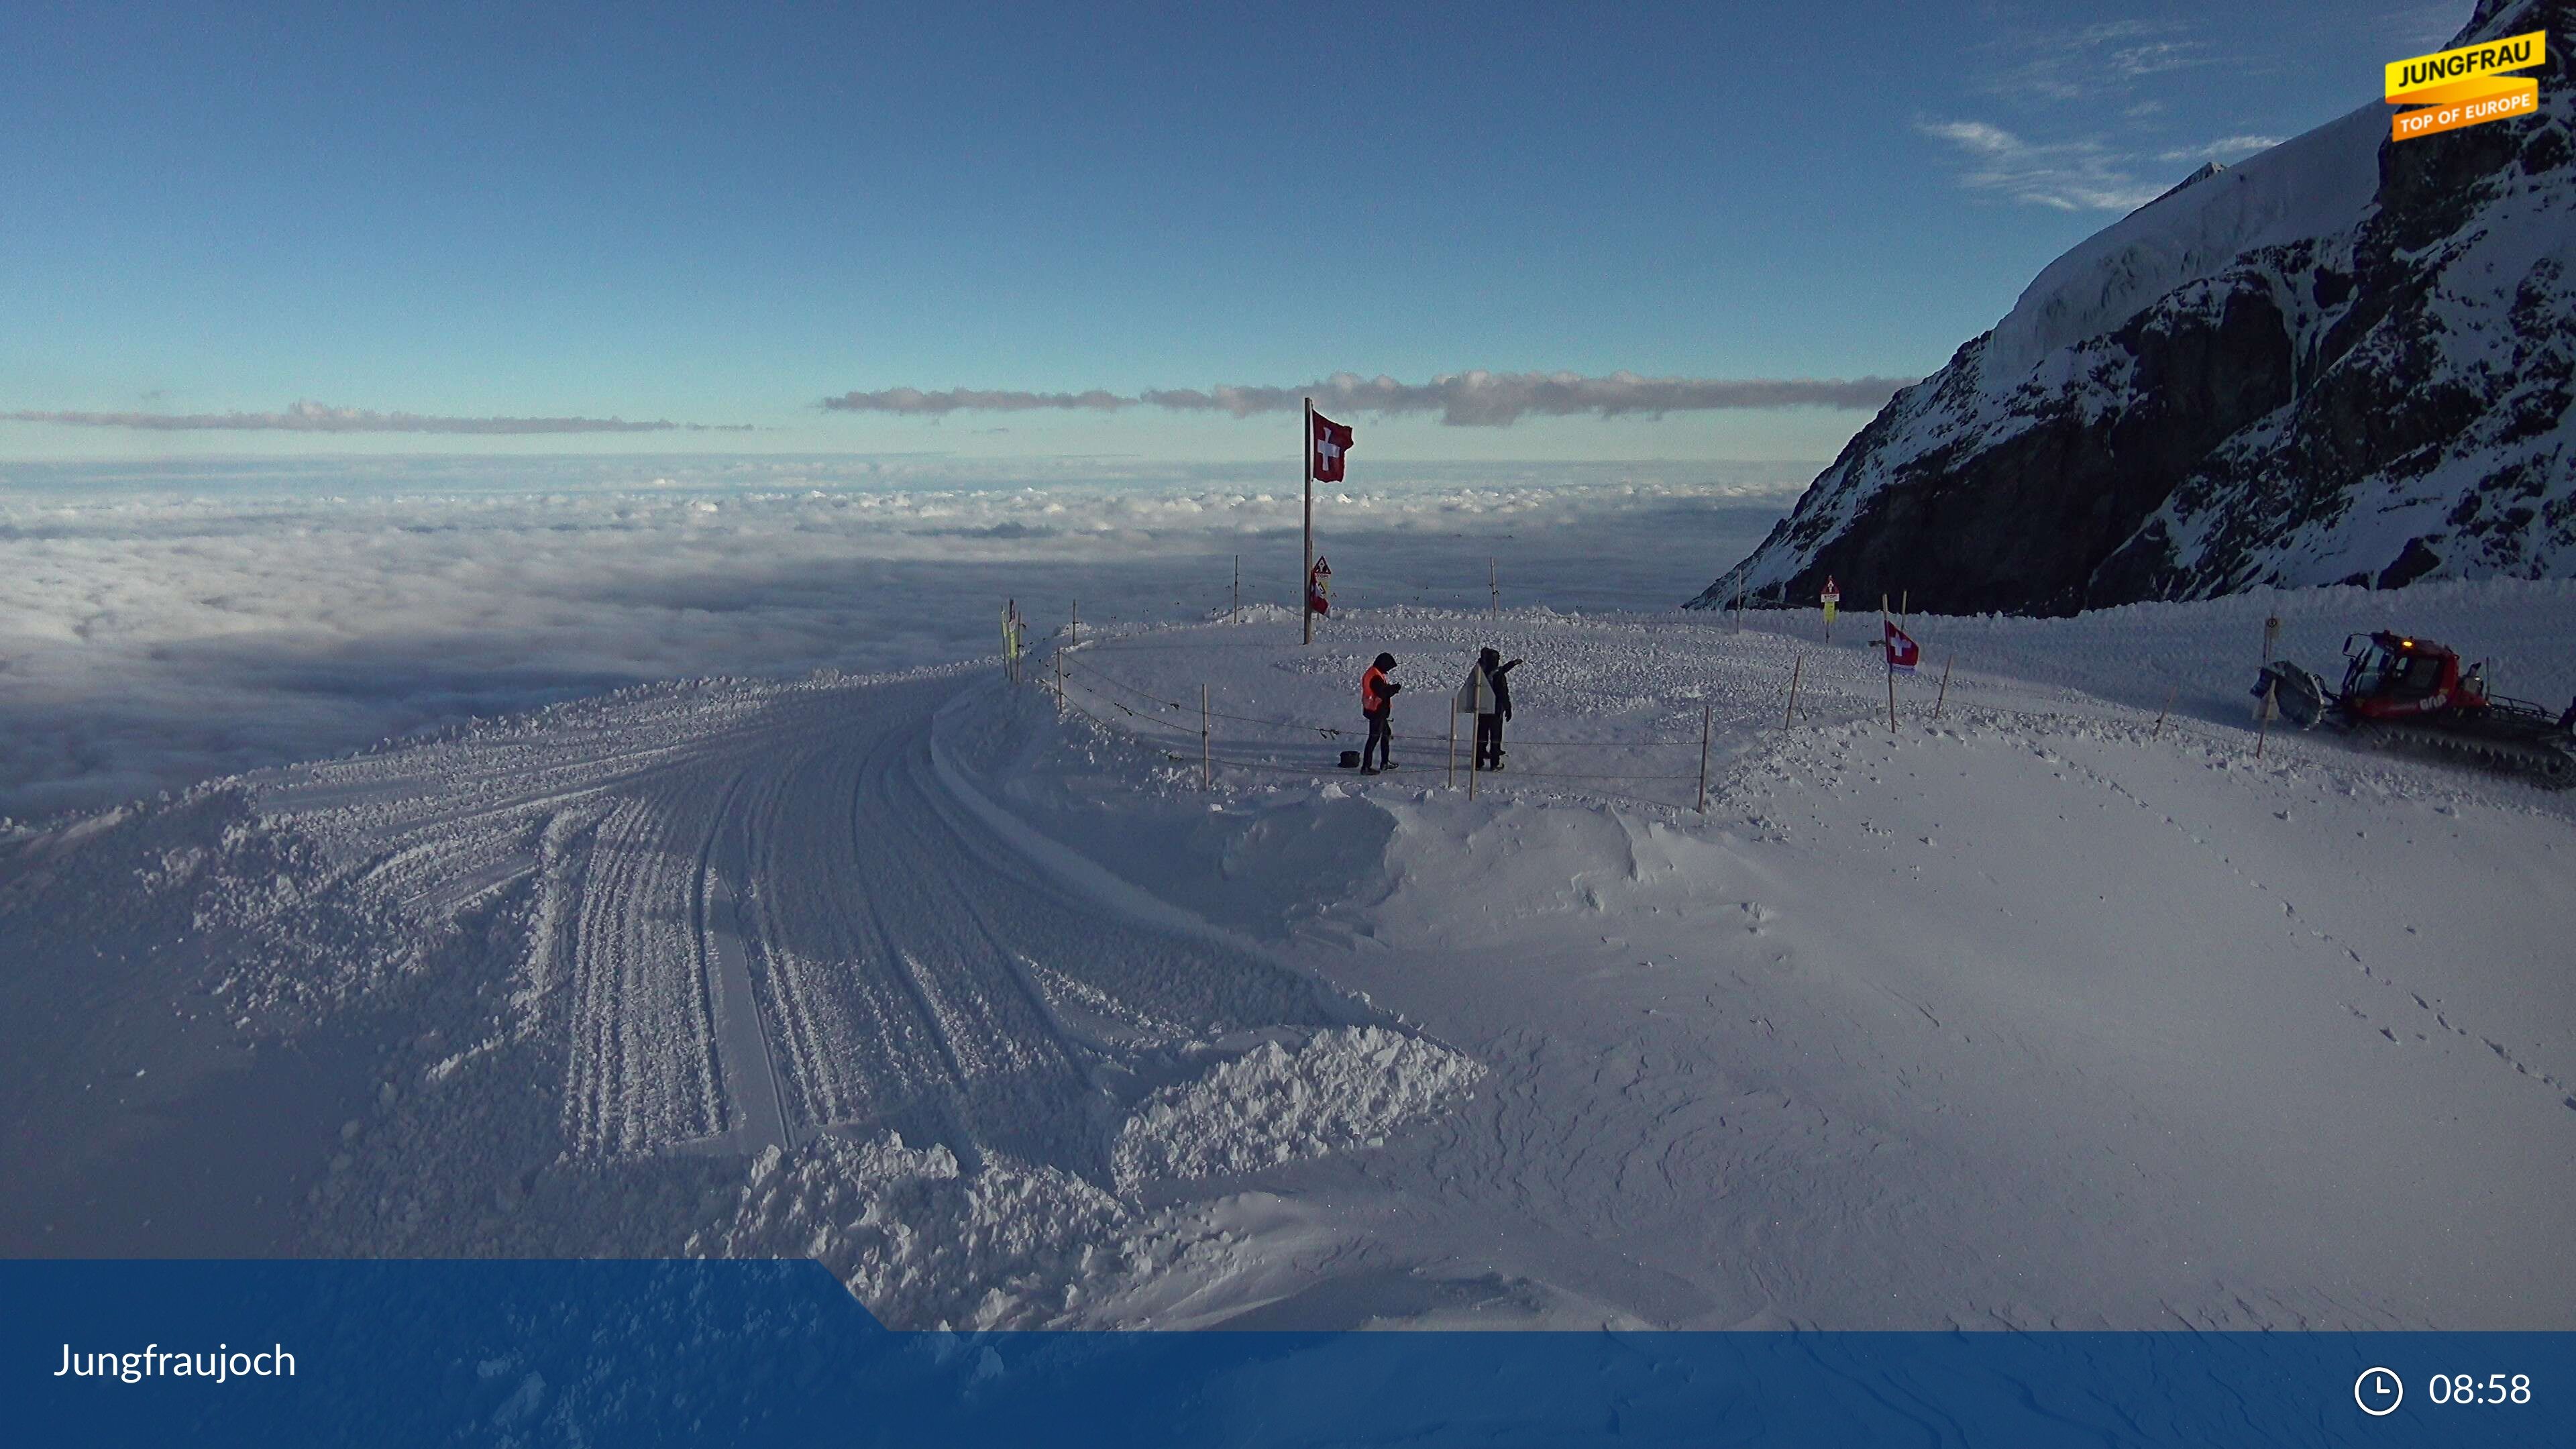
<point x="2401" y="690"/>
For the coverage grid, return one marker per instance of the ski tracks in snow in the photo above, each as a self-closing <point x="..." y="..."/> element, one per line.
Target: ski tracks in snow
<point x="753" y="917"/>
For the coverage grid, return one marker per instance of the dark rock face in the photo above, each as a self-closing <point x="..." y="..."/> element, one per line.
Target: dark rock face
<point x="2346" y="360"/>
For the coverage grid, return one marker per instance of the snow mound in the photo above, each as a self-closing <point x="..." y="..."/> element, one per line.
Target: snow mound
<point x="920" y="1239"/>
<point x="1345" y="1088"/>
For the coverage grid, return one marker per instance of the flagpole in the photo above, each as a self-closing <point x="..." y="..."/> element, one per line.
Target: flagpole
<point x="1306" y="580"/>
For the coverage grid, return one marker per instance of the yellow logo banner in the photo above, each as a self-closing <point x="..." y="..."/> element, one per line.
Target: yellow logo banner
<point x="2469" y="86"/>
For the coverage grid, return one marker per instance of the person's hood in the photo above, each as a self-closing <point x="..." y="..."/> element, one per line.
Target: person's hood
<point x="1386" y="661"/>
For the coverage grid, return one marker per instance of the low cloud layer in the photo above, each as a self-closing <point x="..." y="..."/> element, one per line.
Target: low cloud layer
<point x="161" y="624"/>
<point x="313" y="417"/>
<point x="913" y="402"/>
<point x="1462" y="399"/>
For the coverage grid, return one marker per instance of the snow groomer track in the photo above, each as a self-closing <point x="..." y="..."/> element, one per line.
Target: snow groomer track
<point x="757" y="916"/>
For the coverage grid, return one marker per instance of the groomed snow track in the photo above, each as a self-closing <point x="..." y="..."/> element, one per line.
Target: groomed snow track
<point x="755" y="916"/>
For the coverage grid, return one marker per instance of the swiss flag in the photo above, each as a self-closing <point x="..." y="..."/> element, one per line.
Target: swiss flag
<point x="1326" y="448"/>
<point x="1901" y="650"/>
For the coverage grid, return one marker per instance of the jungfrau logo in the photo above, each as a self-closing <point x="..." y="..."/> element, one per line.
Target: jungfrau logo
<point x="2454" y="89"/>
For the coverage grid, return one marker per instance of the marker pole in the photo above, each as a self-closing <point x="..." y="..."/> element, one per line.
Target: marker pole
<point x="1888" y="657"/>
<point x="1703" y="757"/>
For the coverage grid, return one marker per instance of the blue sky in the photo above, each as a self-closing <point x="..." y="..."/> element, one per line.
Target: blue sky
<point x="704" y="214"/>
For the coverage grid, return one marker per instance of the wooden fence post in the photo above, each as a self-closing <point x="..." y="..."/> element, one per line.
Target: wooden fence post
<point x="1453" y="744"/>
<point x="1207" y="752"/>
<point x="1944" y="693"/>
<point x="1792" y="718"/>
<point x="2263" y="727"/>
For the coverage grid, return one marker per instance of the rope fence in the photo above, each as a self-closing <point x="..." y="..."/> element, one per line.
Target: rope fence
<point x="1167" y="719"/>
<point x="1334" y="732"/>
<point x="1163" y="725"/>
<point x="1274" y="766"/>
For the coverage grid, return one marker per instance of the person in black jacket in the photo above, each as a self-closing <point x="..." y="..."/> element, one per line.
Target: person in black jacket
<point x="1489" y="723"/>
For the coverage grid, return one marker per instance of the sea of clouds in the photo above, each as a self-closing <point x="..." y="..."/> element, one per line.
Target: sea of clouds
<point x="165" y="623"/>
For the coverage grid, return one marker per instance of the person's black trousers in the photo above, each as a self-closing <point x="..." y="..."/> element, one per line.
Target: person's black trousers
<point x="1380" y="739"/>
<point x="1489" y="742"/>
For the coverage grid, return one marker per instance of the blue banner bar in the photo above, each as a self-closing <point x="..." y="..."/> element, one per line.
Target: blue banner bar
<point x="641" y="1353"/>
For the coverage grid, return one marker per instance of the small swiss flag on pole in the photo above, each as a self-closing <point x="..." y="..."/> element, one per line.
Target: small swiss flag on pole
<point x="1331" y="441"/>
<point x="1901" y="650"/>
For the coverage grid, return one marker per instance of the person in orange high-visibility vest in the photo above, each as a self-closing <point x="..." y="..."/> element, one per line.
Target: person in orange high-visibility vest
<point x="1377" y="700"/>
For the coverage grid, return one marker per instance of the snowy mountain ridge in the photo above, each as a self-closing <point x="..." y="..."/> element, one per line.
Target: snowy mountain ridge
<point x="2342" y="361"/>
<point x="2302" y="188"/>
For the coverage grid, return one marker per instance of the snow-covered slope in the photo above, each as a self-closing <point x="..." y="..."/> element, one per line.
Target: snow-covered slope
<point x="2035" y="1014"/>
<point x="712" y="967"/>
<point x="2343" y="360"/>
<point x="2308" y="187"/>
<point x="2038" y="1015"/>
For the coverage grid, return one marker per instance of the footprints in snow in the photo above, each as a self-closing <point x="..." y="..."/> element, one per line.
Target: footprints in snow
<point x="2289" y="912"/>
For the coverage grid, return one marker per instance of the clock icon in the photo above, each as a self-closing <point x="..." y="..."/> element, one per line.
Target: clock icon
<point x="2378" y="1392"/>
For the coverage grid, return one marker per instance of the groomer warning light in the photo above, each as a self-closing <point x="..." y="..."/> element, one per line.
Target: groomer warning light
<point x="2466" y="87"/>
